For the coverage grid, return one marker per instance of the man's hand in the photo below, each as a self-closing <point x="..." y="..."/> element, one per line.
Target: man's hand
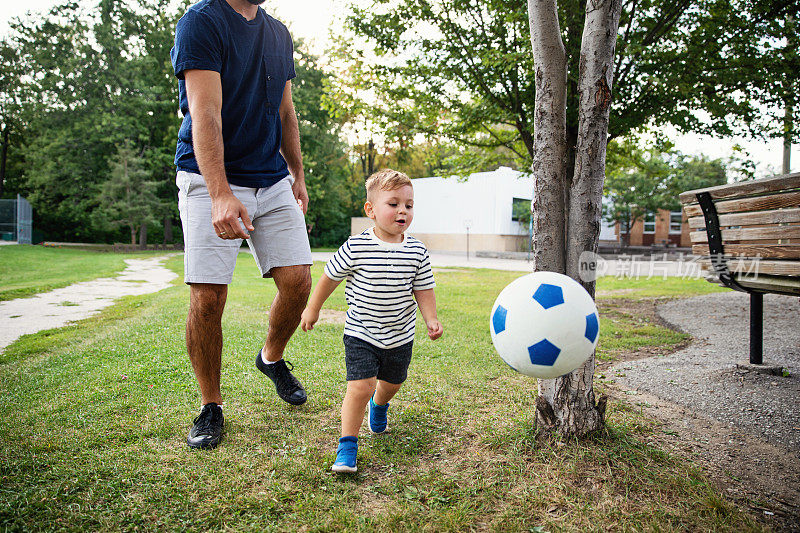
<point x="435" y="329"/>
<point x="308" y="319"/>
<point x="226" y="210"/>
<point x="300" y="194"/>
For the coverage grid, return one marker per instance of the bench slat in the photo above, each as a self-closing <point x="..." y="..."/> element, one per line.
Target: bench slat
<point x="775" y="216"/>
<point x="769" y="251"/>
<point x="750" y="234"/>
<point x="753" y="266"/>
<point x="774" y="284"/>
<point x="732" y="190"/>
<point x="755" y="203"/>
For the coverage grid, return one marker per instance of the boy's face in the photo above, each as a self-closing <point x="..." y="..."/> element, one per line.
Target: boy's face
<point x="392" y="210"/>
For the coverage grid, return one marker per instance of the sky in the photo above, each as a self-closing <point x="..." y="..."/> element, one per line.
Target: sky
<point x="310" y="20"/>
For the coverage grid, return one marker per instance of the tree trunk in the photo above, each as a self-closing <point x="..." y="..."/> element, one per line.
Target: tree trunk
<point x="566" y="405"/>
<point x="143" y="236"/>
<point x="168" y="237"/>
<point x="3" y="158"/>
<point x="370" y="158"/>
<point x="549" y="142"/>
<point x="787" y="139"/>
<point x="133" y="233"/>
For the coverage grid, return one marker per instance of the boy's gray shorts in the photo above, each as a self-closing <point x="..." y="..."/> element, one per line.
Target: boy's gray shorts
<point x="364" y="360"/>
<point x="279" y="238"/>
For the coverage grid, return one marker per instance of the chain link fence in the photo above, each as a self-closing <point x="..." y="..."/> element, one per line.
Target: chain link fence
<point x="16" y="220"/>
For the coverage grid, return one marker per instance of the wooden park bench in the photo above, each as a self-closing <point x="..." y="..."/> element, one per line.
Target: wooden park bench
<point x="748" y="235"/>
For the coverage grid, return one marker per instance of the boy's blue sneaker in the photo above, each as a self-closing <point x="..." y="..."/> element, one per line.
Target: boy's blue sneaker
<point x="346" y="455"/>
<point x="377" y="417"/>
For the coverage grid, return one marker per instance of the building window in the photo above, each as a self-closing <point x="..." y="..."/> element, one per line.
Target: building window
<point x="675" y="220"/>
<point x="650" y="223"/>
<point x="520" y="210"/>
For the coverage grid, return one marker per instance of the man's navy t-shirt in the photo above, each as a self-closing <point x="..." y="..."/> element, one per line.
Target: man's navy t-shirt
<point x="254" y="59"/>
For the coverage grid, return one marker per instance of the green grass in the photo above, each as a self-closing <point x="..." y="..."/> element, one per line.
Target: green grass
<point x="27" y="270"/>
<point x="97" y="413"/>
<point x="656" y="287"/>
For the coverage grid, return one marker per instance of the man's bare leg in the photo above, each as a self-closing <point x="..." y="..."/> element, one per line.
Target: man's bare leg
<point x="294" y="286"/>
<point x="204" y="337"/>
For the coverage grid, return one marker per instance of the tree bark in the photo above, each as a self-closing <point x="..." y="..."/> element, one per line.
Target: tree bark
<point x="3" y="158"/>
<point x="566" y="405"/>
<point x="788" y="123"/>
<point x="168" y="237"/>
<point x="143" y="236"/>
<point x="549" y="142"/>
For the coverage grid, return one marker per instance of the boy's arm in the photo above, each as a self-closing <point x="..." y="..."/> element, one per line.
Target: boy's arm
<point x="426" y="299"/>
<point x="325" y="287"/>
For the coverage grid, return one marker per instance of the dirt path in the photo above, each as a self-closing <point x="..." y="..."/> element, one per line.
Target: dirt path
<point x="57" y="308"/>
<point x="740" y="427"/>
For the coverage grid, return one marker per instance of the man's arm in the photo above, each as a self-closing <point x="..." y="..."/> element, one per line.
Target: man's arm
<point x="204" y="92"/>
<point x="290" y="146"/>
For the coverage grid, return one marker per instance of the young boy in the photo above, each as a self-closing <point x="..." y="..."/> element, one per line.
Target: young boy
<point x="385" y="271"/>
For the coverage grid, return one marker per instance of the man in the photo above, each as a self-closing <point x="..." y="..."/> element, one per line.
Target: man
<point x="240" y="176"/>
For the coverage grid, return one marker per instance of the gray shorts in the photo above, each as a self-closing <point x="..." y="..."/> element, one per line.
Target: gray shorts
<point x="364" y="360"/>
<point x="279" y="238"/>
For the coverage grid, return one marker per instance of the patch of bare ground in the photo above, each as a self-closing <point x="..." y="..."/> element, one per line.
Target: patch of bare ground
<point x="756" y="475"/>
<point x="331" y="316"/>
<point x="643" y="309"/>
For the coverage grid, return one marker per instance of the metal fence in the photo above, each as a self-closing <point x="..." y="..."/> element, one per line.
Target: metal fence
<point x="16" y="220"/>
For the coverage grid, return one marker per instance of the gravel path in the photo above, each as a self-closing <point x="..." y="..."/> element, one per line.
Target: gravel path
<point x="57" y="308"/>
<point x="704" y="377"/>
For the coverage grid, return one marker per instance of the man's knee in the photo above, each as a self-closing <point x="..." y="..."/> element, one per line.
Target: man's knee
<point x="207" y="300"/>
<point x="293" y="281"/>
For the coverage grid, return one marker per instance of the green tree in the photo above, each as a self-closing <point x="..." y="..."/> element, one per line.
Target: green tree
<point x="10" y="112"/>
<point x="99" y="78"/>
<point x="333" y="193"/>
<point x="128" y="197"/>
<point x="637" y="182"/>
<point x="463" y="69"/>
<point x="643" y="180"/>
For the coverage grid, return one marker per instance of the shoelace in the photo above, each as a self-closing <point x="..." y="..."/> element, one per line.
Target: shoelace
<point x="204" y="419"/>
<point x="286" y="381"/>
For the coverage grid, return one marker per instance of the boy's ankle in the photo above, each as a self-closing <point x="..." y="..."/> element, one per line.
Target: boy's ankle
<point x="376" y="403"/>
<point x="346" y="455"/>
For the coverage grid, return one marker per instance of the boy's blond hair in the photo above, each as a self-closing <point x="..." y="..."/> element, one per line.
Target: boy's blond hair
<point x="385" y="180"/>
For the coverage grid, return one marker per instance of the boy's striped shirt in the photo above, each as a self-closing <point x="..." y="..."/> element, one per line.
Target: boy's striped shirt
<point x="381" y="278"/>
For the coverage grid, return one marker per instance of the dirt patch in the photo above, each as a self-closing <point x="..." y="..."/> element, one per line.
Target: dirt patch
<point x="754" y="474"/>
<point x="331" y="316"/>
<point x="636" y="310"/>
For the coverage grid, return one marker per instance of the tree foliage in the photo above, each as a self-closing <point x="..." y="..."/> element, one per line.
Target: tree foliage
<point x="128" y="197"/>
<point x="463" y="69"/>
<point x="97" y="78"/>
<point x="643" y="180"/>
<point x="333" y="194"/>
<point x="99" y="83"/>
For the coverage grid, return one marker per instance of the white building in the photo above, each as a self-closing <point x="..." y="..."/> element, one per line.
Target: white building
<point x="484" y="206"/>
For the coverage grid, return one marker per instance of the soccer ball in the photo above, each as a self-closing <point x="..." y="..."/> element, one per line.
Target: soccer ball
<point x="544" y="325"/>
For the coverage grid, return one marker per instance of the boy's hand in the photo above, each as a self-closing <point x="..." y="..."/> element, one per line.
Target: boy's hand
<point x="308" y="319"/>
<point x="435" y="329"/>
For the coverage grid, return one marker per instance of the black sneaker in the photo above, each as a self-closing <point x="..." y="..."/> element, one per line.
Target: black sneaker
<point x="207" y="430"/>
<point x="288" y="387"/>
